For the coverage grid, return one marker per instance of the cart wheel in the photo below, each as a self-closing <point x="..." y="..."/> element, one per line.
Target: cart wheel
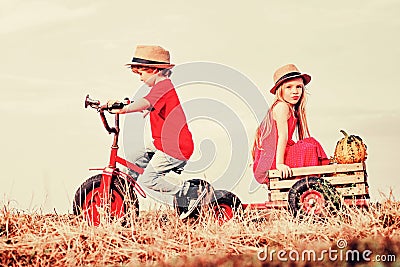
<point x="87" y="199"/>
<point x="225" y="206"/>
<point x="196" y="186"/>
<point x="313" y="196"/>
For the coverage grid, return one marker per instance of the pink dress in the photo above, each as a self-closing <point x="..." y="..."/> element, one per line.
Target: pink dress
<point x="305" y="152"/>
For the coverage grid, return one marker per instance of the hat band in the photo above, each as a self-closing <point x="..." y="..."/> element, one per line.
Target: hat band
<point x="146" y="61"/>
<point x="288" y="75"/>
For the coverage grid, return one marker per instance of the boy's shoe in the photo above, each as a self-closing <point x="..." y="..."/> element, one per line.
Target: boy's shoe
<point x="185" y="189"/>
<point x="193" y="203"/>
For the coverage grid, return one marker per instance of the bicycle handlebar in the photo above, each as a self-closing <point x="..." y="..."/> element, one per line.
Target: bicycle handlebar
<point x="96" y="104"/>
<point x="92" y="103"/>
<point x="105" y="123"/>
<point x="101" y="108"/>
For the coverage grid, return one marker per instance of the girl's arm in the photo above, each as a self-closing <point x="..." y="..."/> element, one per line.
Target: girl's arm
<point x="281" y="114"/>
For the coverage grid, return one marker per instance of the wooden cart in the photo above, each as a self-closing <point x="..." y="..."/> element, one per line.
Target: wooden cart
<point x="311" y="190"/>
<point x="347" y="181"/>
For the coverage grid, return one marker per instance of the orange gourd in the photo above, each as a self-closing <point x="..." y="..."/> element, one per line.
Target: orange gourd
<point x="350" y="149"/>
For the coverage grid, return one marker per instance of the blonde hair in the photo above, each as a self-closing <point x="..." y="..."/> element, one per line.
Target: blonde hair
<point x="299" y="112"/>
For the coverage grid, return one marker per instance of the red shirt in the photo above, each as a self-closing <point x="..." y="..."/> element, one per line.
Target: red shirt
<point x="168" y="121"/>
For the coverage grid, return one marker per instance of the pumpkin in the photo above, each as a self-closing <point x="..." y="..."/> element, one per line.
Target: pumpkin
<point x="350" y="149"/>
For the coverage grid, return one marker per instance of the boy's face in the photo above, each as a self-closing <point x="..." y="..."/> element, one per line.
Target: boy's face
<point x="147" y="75"/>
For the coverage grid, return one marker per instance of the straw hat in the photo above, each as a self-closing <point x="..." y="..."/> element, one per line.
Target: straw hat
<point x="151" y="56"/>
<point x="286" y="72"/>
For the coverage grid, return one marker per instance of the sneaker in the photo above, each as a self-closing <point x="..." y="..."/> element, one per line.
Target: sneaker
<point x="185" y="189"/>
<point x="193" y="203"/>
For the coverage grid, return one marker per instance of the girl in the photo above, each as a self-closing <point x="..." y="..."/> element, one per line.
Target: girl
<point x="273" y="146"/>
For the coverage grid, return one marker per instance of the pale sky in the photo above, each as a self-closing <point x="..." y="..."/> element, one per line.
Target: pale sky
<point x="53" y="53"/>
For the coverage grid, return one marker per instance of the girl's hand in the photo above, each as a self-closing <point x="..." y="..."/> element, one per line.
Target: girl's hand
<point x="285" y="170"/>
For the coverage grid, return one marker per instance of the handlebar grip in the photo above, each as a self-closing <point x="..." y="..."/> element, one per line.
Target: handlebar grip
<point x="117" y="105"/>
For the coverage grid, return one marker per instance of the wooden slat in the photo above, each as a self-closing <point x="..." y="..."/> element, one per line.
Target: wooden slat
<point x="333" y="168"/>
<point x="352" y="191"/>
<point x="274" y="179"/>
<point x="274" y="191"/>
<point x="348" y="179"/>
<point x="360" y="189"/>
<point x="334" y="180"/>
<point x="279" y="196"/>
<point x="282" y="184"/>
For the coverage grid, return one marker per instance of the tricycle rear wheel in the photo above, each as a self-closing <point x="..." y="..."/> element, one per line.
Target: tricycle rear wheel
<point x="225" y="206"/>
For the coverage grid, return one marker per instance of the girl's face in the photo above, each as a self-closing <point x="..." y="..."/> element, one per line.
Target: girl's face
<point x="292" y="90"/>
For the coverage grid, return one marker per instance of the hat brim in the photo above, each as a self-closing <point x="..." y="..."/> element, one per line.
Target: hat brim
<point x="160" y="66"/>
<point x="306" y="79"/>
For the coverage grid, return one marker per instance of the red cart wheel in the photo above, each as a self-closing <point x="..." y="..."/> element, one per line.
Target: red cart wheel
<point x="313" y="196"/>
<point x="312" y="202"/>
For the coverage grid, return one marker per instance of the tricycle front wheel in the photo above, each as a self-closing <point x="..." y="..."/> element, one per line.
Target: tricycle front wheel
<point x="88" y="200"/>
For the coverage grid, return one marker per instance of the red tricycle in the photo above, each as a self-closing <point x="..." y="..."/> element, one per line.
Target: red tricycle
<point x="114" y="192"/>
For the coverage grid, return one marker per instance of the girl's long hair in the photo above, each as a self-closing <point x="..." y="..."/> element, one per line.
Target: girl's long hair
<point x="299" y="112"/>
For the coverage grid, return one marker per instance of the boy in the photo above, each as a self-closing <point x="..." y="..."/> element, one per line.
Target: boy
<point x="172" y="138"/>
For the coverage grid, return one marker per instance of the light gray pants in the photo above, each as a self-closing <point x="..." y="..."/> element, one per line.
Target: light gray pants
<point x="155" y="170"/>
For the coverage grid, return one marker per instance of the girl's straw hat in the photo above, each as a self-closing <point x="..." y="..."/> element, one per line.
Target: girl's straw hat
<point x="151" y="56"/>
<point x="286" y="72"/>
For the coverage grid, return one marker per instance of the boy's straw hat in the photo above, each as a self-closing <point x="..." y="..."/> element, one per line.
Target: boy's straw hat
<point x="151" y="56"/>
<point x="286" y="72"/>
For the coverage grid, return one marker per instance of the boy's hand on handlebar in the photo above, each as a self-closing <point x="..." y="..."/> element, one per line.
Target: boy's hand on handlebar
<point x="115" y="106"/>
<point x="285" y="170"/>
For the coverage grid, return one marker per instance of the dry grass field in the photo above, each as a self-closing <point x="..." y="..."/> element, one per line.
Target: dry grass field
<point x="159" y="238"/>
